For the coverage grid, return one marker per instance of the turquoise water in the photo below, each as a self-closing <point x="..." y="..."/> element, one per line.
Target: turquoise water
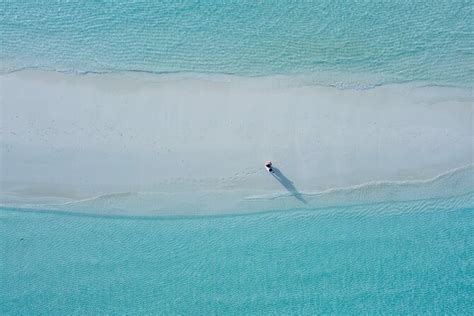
<point x="363" y="42"/>
<point x="392" y="258"/>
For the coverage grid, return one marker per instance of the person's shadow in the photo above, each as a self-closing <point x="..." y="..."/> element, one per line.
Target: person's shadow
<point x="276" y="173"/>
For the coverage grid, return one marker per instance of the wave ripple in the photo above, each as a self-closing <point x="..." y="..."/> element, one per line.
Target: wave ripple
<point x="241" y="37"/>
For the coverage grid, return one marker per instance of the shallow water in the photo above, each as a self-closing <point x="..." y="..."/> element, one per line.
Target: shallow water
<point x="392" y="258"/>
<point x="364" y="43"/>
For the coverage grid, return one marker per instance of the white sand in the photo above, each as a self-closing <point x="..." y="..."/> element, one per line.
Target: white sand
<point x="78" y="136"/>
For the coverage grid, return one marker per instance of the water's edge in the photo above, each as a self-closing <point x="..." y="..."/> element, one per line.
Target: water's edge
<point x="455" y="186"/>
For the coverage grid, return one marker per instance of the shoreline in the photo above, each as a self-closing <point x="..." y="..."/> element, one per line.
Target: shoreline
<point x="454" y="185"/>
<point x="317" y="79"/>
<point x="91" y="135"/>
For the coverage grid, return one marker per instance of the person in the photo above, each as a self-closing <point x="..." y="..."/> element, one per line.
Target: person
<point x="268" y="166"/>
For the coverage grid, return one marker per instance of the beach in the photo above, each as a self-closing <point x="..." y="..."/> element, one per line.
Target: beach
<point x="204" y="139"/>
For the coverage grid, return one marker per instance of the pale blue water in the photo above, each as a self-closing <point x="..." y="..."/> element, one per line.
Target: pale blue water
<point x="392" y="258"/>
<point x="364" y="42"/>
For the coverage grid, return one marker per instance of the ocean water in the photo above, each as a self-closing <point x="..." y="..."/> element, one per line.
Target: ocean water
<point x="361" y="43"/>
<point x="356" y="260"/>
<point x="397" y="248"/>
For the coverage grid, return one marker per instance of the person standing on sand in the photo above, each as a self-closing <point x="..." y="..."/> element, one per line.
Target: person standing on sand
<point x="268" y="166"/>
